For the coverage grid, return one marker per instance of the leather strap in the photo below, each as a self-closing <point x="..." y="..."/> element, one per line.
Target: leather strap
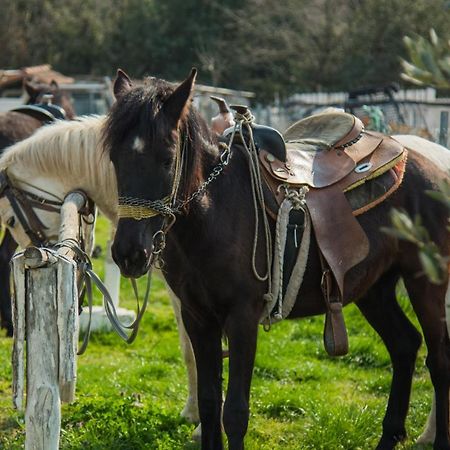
<point x="28" y="219"/>
<point x="335" y="337"/>
<point x="23" y="204"/>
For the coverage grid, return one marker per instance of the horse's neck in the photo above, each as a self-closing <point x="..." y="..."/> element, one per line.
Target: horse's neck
<point x="101" y="192"/>
<point x="83" y="166"/>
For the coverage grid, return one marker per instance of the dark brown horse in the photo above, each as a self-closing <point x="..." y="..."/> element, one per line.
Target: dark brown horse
<point x="208" y="256"/>
<point x="15" y="126"/>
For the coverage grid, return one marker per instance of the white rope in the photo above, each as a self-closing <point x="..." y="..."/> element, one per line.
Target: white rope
<point x="280" y="244"/>
<point x="282" y="305"/>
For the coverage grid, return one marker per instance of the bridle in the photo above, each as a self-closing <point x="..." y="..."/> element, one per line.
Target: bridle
<point x="170" y="206"/>
<point x="23" y="204"/>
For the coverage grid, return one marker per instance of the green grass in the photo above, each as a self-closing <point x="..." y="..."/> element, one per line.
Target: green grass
<point x="130" y="397"/>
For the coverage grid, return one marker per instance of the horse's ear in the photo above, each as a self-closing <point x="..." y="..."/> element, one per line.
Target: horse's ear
<point x="30" y="88"/>
<point x="122" y="84"/>
<point x="177" y="105"/>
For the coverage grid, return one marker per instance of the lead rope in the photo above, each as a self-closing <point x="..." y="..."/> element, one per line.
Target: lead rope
<point x="258" y="200"/>
<point x="90" y="278"/>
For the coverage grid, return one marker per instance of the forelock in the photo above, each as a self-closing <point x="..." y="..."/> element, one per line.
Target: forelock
<point x="138" y="109"/>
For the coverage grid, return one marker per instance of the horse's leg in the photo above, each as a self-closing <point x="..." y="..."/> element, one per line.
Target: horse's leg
<point x="428" y="301"/>
<point x="241" y="329"/>
<point x="429" y="433"/>
<point x="7" y="249"/>
<point x="402" y="341"/>
<point x="206" y="338"/>
<point x="190" y="410"/>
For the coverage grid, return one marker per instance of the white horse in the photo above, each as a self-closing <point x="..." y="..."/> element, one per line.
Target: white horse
<point x="69" y="155"/>
<point x="60" y="158"/>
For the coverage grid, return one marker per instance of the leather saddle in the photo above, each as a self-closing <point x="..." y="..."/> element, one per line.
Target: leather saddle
<point x="331" y="153"/>
<point x="264" y="136"/>
<point x="45" y="113"/>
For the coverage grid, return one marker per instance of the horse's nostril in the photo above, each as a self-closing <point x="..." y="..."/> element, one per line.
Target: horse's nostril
<point x="138" y="258"/>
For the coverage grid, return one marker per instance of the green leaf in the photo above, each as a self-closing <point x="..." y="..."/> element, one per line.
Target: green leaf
<point x="431" y="266"/>
<point x="434" y="37"/>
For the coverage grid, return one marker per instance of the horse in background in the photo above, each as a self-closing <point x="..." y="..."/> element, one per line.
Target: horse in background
<point x="15" y="125"/>
<point x="163" y="154"/>
<point x="53" y="161"/>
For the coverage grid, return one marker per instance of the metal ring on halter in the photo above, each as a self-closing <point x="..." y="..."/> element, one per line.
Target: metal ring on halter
<point x="159" y="246"/>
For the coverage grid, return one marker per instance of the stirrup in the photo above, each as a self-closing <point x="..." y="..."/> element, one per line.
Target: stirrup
<point x="335" y="337"/>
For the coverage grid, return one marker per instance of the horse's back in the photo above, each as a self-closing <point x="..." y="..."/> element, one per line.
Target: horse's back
<point x="437" y="154"/>
<point x="16" y="126"/>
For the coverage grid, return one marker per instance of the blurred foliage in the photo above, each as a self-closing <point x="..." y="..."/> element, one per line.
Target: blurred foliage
<point x="273" y="48"/>
<point x="403" y="227"/>
<point x="429" y="61"/>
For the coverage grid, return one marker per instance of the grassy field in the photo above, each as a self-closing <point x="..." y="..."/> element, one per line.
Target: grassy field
<point x="130" y="397"/>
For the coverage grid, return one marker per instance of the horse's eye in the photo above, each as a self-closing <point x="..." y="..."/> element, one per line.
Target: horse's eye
<point x="167" y="163"/>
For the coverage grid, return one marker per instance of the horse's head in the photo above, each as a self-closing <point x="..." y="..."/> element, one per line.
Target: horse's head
<point x="37" y="91"/>
<point x="144" y="135"/>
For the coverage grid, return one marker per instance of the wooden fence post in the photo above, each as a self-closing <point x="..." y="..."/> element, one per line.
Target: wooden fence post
<point x="46" y="314"/>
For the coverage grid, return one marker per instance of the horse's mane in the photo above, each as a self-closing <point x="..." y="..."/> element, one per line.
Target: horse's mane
<point x="64" y="149"/>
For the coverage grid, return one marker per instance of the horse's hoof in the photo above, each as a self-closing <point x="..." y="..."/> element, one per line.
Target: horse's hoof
<point x="190" y="412"/>
<point x="197" y="434"/>
<point x="389" y="443"/>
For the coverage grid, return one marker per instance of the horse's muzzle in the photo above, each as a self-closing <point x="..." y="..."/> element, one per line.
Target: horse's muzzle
<point x="132" y="249"/>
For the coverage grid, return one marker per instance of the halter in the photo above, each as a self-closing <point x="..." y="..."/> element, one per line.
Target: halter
<point x="138" y="208"/>
<point x="23" y="204"/>
<point x="168" y="207"/>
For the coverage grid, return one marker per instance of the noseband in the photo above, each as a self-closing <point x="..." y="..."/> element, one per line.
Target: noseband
<point x="138" y="209"/>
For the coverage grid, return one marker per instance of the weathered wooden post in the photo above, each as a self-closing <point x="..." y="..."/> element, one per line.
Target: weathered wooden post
<point x="46" y="314"/>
